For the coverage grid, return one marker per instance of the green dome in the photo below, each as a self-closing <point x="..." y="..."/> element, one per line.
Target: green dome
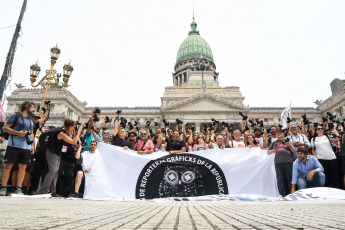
<point x="194" y="46"/>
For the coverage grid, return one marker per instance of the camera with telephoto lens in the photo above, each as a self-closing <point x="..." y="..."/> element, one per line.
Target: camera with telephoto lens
<point x="288" y="120"/>
<point x="130" y="125"/>
<point x="156" y="124"/>
<point x="324" y="119"/>
<point x="28" y="137"/>
<point x="244" y="117"/>
<point x="123" y="122"/>
<point x="178" y="121"/>
<point x="148" y="123"/>
<point x="214" y="121"/>
<point x="95" y="118"/>
<point x="251" y="122"/>
<point x="166" y="123"/>
<point x="331" y="116"/>
<point x="259" y="122"/>
<point x="305" y="120"/>
<point x="119" y="111"/>
<point x="107" y="119"/>
<point x="97" y="110"/>
<point x="246" y="127"/>
<point x="136" y="123"/>
<point x="280" y="126"/>
<point x="192" y="128"/>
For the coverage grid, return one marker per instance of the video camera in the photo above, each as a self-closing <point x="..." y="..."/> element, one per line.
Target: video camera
<point x="244" y="117"/>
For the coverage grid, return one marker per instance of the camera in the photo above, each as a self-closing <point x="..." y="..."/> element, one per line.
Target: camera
<point x="136" y="123"/>
<point x="97" y="110"/>
<point x="288" y="120"/>
<point x="156" y="124"/>
<point x="178" y="121"/>
<point x="148" y="123"/>
<point x="287" y="139"/>
<point x="315" y="124"/>
<point x="324" y="119"/>
<point x="95" y="118"/>
<point x="268" y="130"/>
<point x="331" y="116"/>
<point x="205" y="127"/>
<point x="119" y="111"/>
<point x="305" y="120"/>
<point x="151" y="132"/>
<point x="47" y="102"/>
<point x="107" y="119"/>
<point x="130" y="125"/>
<point x="251" y="122"/>
<point x="244" y="117"/>
<point x="259" y="122"/>
<point x="28" y="137"/>
<point x="123" y="122"/>
<point x="192" y="128"/>
<point x="280" y="126"/>
<point x="214" y="121"/>
<point x="166" y="123"/>
<point x="330" y="125"/>
<point x="210" y="126"/>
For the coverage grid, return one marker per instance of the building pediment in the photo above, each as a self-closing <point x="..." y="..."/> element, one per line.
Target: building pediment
<point x="205" y="103"/>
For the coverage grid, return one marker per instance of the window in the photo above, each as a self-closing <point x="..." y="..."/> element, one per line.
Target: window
<point x="270" y="119"/>
<point x="265" y="119"/>
<point x="185" y="77"/>
<point x="38" y="107"/>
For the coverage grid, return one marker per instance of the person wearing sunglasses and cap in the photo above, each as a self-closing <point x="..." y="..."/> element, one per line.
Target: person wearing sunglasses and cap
<point x="323" y="151"/>
<point x="144" y="146"/>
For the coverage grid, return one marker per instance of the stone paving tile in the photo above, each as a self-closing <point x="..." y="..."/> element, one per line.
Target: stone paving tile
<point x="25" y="213"/>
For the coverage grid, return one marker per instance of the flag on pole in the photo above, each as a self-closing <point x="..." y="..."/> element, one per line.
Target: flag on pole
<point x="285" y="114"/>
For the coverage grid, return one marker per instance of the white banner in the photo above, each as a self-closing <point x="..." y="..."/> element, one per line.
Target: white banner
<point x="124" y="174"/>
<point x="285" y="114"/>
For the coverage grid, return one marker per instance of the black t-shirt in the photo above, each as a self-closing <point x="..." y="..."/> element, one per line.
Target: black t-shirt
<point x="121" y="142"/>
<point x="69" y="154"/>
<point x="36" y="127"/>
<point x="175" y="145"/>
<point x="57" y="144"/>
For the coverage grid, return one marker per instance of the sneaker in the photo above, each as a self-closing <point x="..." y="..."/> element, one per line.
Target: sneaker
<point x="73" y="195"/>
<point x="33" y="193"/>
<point x="54" y="194"/>
<point x="18" y="191"/>
<point x="3" y="191"/>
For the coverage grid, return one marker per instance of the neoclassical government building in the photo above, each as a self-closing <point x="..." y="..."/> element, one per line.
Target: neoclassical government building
<point x="194" y="97"/>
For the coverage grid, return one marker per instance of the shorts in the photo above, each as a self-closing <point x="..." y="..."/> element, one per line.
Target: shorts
<point x="77" y="168"/>
<point x="17" y="155"/>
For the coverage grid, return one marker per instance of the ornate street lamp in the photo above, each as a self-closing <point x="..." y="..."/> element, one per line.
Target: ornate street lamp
<point x="200" y="66"/>
<point x="50" y="80"/>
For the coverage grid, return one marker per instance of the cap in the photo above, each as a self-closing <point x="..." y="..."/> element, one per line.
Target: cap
<point x="36" y="116"/>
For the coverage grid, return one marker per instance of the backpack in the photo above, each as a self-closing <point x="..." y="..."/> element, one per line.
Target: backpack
<point x="6" y="135"/>
<point x="46" y="139"/>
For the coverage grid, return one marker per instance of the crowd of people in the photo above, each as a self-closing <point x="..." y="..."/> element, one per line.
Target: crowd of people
<point x="310" y="155"/>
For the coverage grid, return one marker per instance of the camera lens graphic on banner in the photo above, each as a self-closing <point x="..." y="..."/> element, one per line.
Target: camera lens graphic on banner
<point x="182" y="175"/>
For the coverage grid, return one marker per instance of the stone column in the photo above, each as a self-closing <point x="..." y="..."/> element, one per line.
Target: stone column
<point x="197" y="126"/>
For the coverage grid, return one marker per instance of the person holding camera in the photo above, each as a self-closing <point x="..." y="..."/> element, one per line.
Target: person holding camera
<point x="297" y="139"/>
<point x="19" y="126"/>
<point x="323" y="151"/>
<point x="235" y="141"/>
<point x="158" y="143"/>
<point x="283" y="161"/>
<point x="53" y="154"/>
<point x="175" y="145"/>
<point x="120" y="134"/>
<point x="144" y="145"/>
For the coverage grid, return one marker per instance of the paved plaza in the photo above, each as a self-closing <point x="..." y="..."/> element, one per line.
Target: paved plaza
<point x="29" y="213"/>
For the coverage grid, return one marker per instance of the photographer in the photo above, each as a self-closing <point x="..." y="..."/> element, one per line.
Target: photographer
<point x="39" y="121"/>
<point x="235" y="141"/>
<point x="175" y="145"/>
<point x="53" y="154"/>
<point x="132" y="139"/>
<point x="19" y="126"/>
<point x="120" y="135"/>
<point x="144" y="145"/>
<point x="93" y="131"/>
<point x="297" y="139"/>
<point x="323" y="151"/>
<point x="341" y="155"/>
<point x="283" y="160"/>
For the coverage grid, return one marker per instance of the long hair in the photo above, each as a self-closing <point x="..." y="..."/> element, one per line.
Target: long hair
<point x="26" y="105"/>
<point x="68" y="123"/>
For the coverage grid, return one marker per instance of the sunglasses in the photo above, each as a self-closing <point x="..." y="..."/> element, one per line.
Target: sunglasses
<point x="319" y="128"/>
<point x="200" y="137"/>
<point x="143" y="134"/>
<point x="131" y="135"/>
<point x="105" y="133"/>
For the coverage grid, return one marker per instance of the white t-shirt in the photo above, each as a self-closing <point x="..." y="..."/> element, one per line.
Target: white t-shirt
<point x="88" y="160"/>
<point x="236" y="143"/>
<point x="259" y="141"/>
<point x="323" y="148"/>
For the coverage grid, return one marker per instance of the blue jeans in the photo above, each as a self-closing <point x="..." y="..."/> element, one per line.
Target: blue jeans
<point x="317" y="181"/>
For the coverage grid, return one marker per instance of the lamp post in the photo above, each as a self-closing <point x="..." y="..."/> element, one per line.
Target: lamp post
<point x="202" y="67"/>
<point x="50" y="80"/>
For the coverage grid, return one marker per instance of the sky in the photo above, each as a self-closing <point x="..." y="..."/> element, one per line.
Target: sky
<point x="124" y="52"/>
